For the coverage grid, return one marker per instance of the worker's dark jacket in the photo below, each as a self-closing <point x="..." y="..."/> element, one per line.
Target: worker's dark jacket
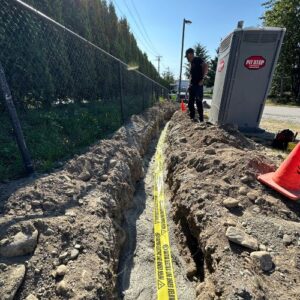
<point x="196" y="71"/>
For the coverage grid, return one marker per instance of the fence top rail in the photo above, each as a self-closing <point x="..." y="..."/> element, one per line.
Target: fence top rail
<point x="42" y="15"/>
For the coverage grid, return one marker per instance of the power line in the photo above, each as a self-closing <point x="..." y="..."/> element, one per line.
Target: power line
<point x="142" y="25"/>
<point x="135" y="34"/>
<point x="136" y="23"/>
<point x="138" y="27"/>
<point x="147" y="35"/>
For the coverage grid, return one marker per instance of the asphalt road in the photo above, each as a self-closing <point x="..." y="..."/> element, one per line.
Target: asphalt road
<point x="280" y="113"/>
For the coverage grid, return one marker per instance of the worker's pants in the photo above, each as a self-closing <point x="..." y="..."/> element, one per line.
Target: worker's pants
<point x="196" y="94"/>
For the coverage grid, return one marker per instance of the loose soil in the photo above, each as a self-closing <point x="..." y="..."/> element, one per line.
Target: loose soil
<point x="61" y="234"/>
<point x="86" y="231"/>
<point x="206" y="165"/>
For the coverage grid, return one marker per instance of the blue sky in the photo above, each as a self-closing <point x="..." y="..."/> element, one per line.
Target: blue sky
<point x="162" y="20"/>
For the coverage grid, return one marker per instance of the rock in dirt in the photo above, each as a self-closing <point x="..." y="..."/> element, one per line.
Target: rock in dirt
<point x="63" y="256"/>
<point x="85" y="176"/>
<point x="74" y="253"/>
<point x="230" y="222"/>
<point x="264" y="258"/>
<point x="256" y="209"/>
<point x="191" y="271"/>
<point x="259" y="201"/>
<point x="231" y="202"/>
<point x="31" y="297"/>
<point x="210" y="151"/>
<point x="61" y="270"/>
<point x="21" y="244"/>
<point x="243" y="191"/>
<point x="296" y="261"/>
<point x="239" y="237"/>
<point x="11" y="281"/>
<point x="48" y="205"/>
<point x="77" y="246"/>
<point x="112" y="163"/>
<point x="252" y="196"/>
<point x="262" y="247"/>
<point x="87" y="280"/>
<point x="62" y="288"/>
<point x="35" y="203"/>
<point x="104" y="177"/>
<point x="246" y="179"/>
<point x="49" y="232"/>
<point x="287" y="239"/>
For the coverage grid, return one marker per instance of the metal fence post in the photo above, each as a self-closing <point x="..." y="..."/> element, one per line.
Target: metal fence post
<point x="121" y="93"/>
<point x="152" y="93"/>
<point x="15" y="122"/>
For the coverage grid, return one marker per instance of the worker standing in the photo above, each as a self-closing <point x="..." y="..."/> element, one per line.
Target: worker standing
<point x="198" y="71"/>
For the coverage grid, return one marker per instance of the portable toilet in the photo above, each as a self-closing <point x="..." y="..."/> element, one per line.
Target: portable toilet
<point x="246" y="61"/>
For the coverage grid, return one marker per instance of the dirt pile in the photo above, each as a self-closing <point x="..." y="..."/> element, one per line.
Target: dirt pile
<point x="60" y="236"/>
<point x="239" y="239"/>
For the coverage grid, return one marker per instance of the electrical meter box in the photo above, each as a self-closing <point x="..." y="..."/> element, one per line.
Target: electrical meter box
<point x="246" y="62"/>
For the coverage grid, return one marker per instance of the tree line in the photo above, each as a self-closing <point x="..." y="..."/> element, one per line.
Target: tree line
<point x="44" y="64"/>
<point x="286" y="13"/>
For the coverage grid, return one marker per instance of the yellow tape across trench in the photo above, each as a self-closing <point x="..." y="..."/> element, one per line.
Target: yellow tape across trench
<point x="165" y="281"/>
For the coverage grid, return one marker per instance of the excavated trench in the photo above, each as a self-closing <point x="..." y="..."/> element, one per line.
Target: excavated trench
<point x="61" y="235"/>
<point x="193" y="251"/>
<point x="219" y="209"/>
<point x="86" y="231"/>
<point x="136" y="274"/>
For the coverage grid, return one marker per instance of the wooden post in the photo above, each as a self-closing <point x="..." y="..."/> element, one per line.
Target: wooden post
<point x="15" y="122"/>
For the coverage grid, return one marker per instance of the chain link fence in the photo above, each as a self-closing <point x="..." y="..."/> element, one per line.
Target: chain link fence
<point x="67" y="91"/>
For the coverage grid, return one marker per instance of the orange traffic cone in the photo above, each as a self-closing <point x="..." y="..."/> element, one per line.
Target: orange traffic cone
<point x="286" y="180"/>
<point x="183" y="107"/>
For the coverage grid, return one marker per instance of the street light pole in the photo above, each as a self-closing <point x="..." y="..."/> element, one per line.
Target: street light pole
<point x="181" y="58"/>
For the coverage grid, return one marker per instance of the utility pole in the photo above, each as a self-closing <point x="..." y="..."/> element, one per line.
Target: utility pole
<point x="182" y="46"/>
<point x="158" y="57"/>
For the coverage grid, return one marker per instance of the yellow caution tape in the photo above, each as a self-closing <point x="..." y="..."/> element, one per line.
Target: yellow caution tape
<point x="165" y="281"/>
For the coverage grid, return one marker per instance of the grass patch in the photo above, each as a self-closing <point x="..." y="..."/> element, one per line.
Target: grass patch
<point x="278" y="102"/>
<point x="275" y="126"/>
<point x="207" y="96"/>
<point x="55" y="135"/>
<point x="173" y="97"/>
